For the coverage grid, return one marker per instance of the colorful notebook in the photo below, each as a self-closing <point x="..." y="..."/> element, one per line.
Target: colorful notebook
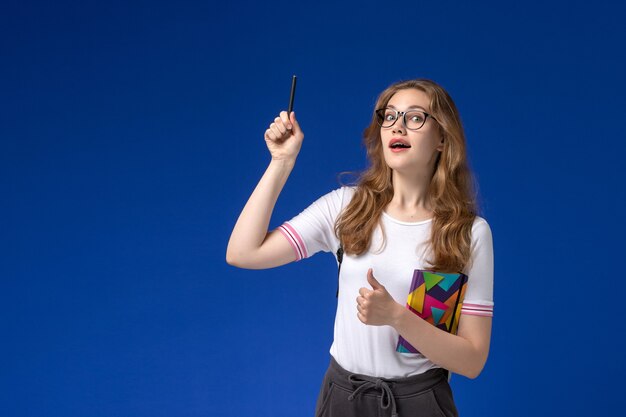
<point x="437" y="298"/>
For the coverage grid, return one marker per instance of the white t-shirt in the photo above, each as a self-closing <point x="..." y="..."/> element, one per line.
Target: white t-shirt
<point x="367" y="349"/>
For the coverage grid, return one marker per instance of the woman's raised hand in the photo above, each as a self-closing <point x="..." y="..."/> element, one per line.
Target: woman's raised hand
<point x="284" y="137"/>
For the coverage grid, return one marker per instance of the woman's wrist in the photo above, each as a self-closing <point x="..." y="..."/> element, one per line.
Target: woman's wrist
<point x="397" y="316"/>
<point x="283" y="163"/>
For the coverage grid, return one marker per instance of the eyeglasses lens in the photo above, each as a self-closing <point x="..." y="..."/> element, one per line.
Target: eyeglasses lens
<point x="414" y="119"/>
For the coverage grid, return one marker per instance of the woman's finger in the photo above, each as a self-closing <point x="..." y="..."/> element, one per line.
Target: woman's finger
<point x="362" y="318"/>
<point x="285" y="119"/>
<point x="276" y="131"/>
<point x="296" y="125"/>
<point x="269" y="135"/>
<point x="280" y="125"/>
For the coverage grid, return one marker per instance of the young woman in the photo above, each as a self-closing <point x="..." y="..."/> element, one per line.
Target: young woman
<point x="416" y="281"/>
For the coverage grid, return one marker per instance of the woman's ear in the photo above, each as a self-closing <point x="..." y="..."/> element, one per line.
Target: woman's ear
<point x="440" y="147"/>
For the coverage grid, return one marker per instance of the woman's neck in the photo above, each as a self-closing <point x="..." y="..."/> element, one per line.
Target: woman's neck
<point x="410" y="196"/>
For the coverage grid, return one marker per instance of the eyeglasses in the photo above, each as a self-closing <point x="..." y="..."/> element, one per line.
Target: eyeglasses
<point x="413" y="119"/>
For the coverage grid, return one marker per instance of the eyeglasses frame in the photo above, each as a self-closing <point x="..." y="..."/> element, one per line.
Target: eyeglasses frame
<point x="403" y="114"/>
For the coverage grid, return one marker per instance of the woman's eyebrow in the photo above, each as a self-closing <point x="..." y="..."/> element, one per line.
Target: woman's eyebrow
<point x="408" y="108"/>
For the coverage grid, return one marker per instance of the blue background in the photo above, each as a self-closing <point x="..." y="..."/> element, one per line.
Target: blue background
<point x="131" y="135"/>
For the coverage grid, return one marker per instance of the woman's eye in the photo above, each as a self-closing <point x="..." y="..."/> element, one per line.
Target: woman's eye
<point x="417" y="118"/>
<point x="390" y="116"/>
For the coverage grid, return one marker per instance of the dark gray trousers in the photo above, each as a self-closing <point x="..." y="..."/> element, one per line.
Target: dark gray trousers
<point x="344" y="394"/>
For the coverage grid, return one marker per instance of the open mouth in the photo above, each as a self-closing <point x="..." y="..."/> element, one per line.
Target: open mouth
<point x="399" y="144"/>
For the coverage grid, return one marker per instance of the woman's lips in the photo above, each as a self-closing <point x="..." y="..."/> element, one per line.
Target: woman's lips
<point x="405" y="143"/>
<point x="396" y="150"/>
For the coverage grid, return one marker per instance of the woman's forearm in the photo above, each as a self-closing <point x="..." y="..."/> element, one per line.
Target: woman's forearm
<point x="253" y="222"/>
<point x="449" y="351"/>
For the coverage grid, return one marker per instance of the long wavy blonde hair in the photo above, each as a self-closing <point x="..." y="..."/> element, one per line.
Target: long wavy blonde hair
<point x="451" y="193"/>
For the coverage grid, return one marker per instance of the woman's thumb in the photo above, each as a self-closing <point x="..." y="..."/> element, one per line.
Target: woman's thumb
<point x="294" y="122"/>
<point x="372" y="281"/>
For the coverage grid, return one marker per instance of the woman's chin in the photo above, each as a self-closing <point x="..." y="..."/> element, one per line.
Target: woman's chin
<point x="400" y="166"/>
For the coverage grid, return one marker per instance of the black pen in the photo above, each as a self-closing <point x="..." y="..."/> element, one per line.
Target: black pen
<point x="293" y="94"/>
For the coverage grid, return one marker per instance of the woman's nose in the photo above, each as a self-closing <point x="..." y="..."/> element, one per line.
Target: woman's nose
<point x="398" y="127"/>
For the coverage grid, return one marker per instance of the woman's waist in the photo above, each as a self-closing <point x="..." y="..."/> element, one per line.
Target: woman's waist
<point x="399" y="385"/>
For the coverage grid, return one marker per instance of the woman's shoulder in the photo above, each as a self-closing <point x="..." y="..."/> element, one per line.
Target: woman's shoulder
<point x="348" y="190"/>
<point x="478" y="221"/>
<point x="480" y="228"/>
<point x="343" y="194"/>
<point x="335" y="200"/>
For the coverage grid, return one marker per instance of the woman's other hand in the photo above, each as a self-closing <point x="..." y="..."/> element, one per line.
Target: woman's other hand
<point x="377" y="307"/>
<point x="284" y="137"/>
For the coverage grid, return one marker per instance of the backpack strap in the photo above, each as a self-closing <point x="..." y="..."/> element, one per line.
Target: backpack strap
<point x="339" y="259"/>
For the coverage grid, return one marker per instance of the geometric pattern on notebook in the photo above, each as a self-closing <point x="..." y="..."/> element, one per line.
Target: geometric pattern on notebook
<point x="437" y="298"/>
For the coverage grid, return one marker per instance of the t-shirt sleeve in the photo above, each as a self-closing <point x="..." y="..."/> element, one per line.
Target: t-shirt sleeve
<point x="479" y="295"/>
<point x="313" y="230"/>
